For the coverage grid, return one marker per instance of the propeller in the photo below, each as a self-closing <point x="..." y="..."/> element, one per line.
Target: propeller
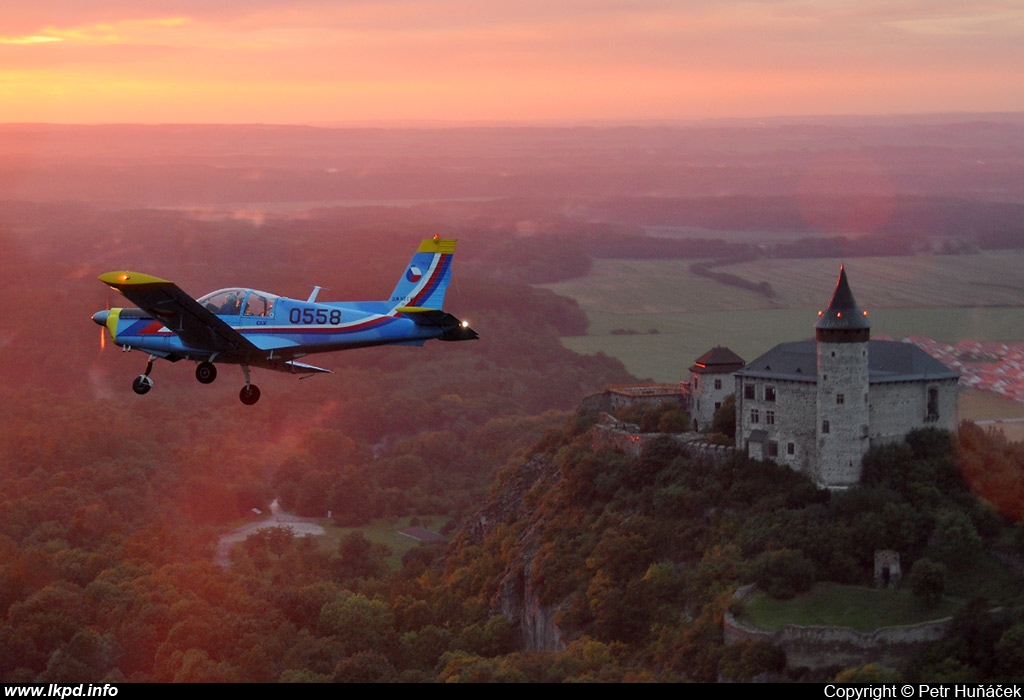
<point x="102" y="318"/>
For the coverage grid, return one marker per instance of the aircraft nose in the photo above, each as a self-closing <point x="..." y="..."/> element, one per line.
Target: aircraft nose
<point x="100" y="318"/>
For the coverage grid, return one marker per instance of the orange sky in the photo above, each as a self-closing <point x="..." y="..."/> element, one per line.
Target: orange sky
<point x="343" y="61"/>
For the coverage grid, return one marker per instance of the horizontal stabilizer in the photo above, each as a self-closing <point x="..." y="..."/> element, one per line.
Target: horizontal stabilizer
<point x="453" y="328"/>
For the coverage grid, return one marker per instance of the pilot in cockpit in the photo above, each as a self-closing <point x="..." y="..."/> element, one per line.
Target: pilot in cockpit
<point x="231" y="306"/>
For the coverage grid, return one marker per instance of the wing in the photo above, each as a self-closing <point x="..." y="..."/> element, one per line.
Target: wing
<point x="180" y="313"/>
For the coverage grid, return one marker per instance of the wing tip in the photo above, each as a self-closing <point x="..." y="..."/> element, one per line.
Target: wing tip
<point x="126" y="278"/>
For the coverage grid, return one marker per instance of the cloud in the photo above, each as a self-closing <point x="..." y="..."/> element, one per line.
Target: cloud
<point x="524" y="57"/>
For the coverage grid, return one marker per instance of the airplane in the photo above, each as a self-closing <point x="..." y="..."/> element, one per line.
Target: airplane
<point x="251" y="328"/>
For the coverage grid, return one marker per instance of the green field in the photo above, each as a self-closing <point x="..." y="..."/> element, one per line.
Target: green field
<point x="386" y="532"/>
<point x="684" y="336"/>
<point x="922" y="281"/>
<point x="945" y="297"/>
<point x="866" y="609"/>
<point x="831" y="605"/>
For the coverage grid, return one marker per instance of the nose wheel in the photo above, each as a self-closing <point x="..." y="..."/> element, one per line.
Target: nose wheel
<point x="142" y="383"/>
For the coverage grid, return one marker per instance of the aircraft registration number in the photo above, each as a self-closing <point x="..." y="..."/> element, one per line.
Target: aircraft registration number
<point x="320" y="317"/>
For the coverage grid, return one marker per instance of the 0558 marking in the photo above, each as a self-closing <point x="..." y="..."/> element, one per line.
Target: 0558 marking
<point x="320" y="317"/>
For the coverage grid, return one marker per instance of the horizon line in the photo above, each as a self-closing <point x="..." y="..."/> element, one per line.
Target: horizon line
<point x="547" y="123"/>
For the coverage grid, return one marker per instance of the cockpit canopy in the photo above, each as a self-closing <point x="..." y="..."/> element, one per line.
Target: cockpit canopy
<point x="238" y="301"/>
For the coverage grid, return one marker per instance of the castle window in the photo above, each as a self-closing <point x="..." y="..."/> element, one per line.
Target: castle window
<point x="769" y="417"/>
<point x="773" y="448"/>
<point x="790" y="448"/>
<point x="718" y="405"/>
<point x="769" y="393"/>
<point x="748" y="391"/>
<point x="755" y="415"/>
<point x="718" y="384"/>
<point x="840" y="399"/>
<point x="824" y="426"/>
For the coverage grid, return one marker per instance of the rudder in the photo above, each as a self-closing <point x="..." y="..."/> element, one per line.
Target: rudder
<point x="426" y="277"/>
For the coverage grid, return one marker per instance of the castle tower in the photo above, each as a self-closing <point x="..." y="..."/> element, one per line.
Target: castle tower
<point x="842" y="335"/>
<point x="711" y="382"/>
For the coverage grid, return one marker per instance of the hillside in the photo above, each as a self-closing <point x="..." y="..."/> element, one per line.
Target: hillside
<point x="590" y="549"/>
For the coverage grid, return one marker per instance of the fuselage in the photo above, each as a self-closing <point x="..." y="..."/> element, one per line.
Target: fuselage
<point x="280" y="328"/>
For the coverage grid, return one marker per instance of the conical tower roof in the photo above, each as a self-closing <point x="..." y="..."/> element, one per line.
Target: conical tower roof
<point x="842" y="321"/>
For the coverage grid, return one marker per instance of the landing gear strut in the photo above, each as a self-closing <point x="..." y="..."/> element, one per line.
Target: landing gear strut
<point x="206" y="372"/>
<point x="142" y="383"/>
<point x="250" y="393"/>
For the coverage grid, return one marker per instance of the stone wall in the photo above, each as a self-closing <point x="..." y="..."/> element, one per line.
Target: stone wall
<point x="900" y="407"/>
<point x="824" y="647"/>
<point x="793" y="420"/>
<point x="625" y="438"/>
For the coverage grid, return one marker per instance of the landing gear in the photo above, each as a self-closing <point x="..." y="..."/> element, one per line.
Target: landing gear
<point x="206" y="372"/>
<point x="143" y="383"/>
<point x="250" y="393"/>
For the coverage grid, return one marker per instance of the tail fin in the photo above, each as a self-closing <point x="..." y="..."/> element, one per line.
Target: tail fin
<point x="426" y="278"/>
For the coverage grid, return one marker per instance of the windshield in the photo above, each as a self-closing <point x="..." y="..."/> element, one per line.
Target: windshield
<point x="233" y="302"/>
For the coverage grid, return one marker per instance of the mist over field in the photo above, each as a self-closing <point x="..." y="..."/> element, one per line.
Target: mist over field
<point x="639" y="246"/>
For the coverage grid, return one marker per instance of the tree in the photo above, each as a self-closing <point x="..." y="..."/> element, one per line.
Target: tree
<point x="783" y="573"/>
<point x="928" y="581"/>
<point x="361" y="558"/>
<point x="868" y="673"/>
<point x="747" y="660"/>
<point x="1010" y="651"/>
<point x="958" y="541"/>
<point x="724" y="419"/>
<point x="359" y="623"/>
<point x="365" y="667"/>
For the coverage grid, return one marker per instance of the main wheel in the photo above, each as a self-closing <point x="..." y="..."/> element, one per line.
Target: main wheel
<point x="206" y="372"/>
<point x="142" y="384"/>
<point x="249" y="394"/>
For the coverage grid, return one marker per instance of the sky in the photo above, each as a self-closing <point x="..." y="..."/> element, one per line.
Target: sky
<point x="471" y="61"/>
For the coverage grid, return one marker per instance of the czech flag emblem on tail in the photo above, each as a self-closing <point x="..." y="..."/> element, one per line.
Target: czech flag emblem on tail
<point x="414" y="274"/>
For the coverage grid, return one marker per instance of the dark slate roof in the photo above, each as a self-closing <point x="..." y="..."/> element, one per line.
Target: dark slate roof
<point x="795" y="361"/>
<point x="842" y="312"/>
<point x="888" y="361"/>
<point x="717" y="359"/>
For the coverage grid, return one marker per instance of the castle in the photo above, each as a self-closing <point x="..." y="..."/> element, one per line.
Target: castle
<point x="818" y="405"/>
